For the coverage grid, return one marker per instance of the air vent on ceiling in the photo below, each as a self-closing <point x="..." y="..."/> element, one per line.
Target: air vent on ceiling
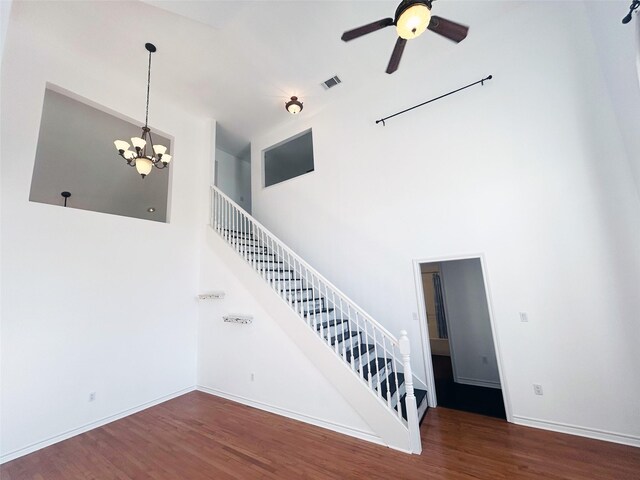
<point x="332" y="82"/>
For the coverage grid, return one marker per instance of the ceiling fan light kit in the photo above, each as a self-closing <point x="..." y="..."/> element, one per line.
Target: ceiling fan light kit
<point x="157" y="155"/>
<point x="411" y="19"/>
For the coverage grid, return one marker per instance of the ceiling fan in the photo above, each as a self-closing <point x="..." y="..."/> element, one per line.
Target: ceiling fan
<point x="412" y="18"/>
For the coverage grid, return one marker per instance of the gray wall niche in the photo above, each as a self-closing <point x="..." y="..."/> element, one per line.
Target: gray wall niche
<point x="75" y="153"/>
<point x="289" y="159"/>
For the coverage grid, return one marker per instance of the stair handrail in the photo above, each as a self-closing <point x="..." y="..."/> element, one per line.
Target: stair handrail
<point x="379" y="326"/>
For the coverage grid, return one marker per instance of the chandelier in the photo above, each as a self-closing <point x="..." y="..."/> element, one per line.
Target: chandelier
<point x="157" y="155"/>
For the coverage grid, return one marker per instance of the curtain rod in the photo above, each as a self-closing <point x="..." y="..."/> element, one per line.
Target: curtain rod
<point x="434" y="99"/>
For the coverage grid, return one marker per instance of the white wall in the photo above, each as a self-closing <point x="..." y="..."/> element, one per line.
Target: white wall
<point x="233" y="177"/>
<point x="529" y="170"/>
<point x="90" y="302"/>
<point x="473" y="355"/>
<point x="284" y="380"/>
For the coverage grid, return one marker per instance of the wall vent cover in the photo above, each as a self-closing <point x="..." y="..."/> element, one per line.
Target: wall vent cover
<point x="332" y="82"/>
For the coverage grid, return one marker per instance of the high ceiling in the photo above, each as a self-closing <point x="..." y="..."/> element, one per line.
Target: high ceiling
<point x="239" y="61"/>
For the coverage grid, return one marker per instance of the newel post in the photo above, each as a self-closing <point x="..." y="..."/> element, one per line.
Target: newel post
<point x="415" y="442"/>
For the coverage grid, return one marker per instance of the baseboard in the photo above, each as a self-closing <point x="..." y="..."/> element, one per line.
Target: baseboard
<point x="625" y="439"/>
<point x="89" y="426"/>
<point x="478" y="383"/>
<point x="301" y="417"/>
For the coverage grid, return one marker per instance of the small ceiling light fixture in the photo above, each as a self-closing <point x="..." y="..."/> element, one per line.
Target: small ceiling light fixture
<point x="635" y="4"/>
<point x="293" y="106"/>
<point x="412" y="18"/>
<point x="66" y="196"/>
<point x="139" y="158"/>
<point x="151" y="209"/>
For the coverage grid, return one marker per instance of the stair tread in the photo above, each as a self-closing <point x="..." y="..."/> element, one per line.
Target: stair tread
<point x="420" y="396"/>
<point x="358" y="351"/>
<point x="319" y="310"/>
<point x="374" y="366"/>
<point x="331" y="323"/>
<point x="295" y="289"/>
<point x="343" y="336"/>
<point x="390" y="384"/>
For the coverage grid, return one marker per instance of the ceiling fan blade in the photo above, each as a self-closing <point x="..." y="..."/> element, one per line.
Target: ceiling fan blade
<point x="363" y="30"/>
<point x="394" y="62"/>
<point x="447" y="28"/>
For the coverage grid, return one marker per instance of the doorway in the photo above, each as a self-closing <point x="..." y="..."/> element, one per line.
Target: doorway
<point x="460" y="338"/>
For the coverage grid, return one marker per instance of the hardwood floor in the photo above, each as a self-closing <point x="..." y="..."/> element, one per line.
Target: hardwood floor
<point x="198" y="436"/>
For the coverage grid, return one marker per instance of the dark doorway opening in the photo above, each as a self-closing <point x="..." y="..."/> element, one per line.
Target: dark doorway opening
<point x="460" y="337"/>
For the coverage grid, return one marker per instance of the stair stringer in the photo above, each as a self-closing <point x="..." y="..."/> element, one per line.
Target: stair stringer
<point x="390" y="429"/>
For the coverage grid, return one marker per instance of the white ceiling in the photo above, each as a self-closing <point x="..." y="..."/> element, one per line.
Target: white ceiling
<point x="238" y="61"/>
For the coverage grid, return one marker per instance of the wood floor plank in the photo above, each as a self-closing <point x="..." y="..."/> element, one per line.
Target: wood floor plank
<point x="201" y="437"/>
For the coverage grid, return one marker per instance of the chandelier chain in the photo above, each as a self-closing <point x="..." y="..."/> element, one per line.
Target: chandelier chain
<point x="146" y="118"/>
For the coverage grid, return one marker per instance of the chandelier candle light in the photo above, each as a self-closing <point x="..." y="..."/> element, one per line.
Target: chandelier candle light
<point x="139" y="158"/>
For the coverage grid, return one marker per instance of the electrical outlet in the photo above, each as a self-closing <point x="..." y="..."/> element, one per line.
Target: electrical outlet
<point x="253" y="376"/>
<point x="537" y="389"/>
<point x="524" y="317"/>
<point x="92" y="396"/>
<point x="415" y="316"/>
<point x="485" y="360"/>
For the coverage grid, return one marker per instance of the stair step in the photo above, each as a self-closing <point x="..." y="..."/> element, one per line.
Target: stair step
<point x="253" y="249"/>
<point x="262" y="257"/>
<point x="317" y="311"/>
<point x="344" y="337"/>
<point x="378" y="367"/>
<point x="302" y="289"/>
<point x="393" y="387"/>
<point x="421" y="396"/>
<point x="331" y="323"/>
<point x="279" y="274"/>
<point x="287" y="284"/>
<point x="264" y="264"/>
<point x="333" y="327"/>
<point x="239" y="234"/>
<point x="357" y="352"/>
<point x="245" y="241"/>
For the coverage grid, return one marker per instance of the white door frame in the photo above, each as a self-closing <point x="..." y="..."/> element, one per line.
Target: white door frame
<point x="424" y="329"/>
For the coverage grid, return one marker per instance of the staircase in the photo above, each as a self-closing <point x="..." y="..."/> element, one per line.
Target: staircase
<point x="379" y="360"/>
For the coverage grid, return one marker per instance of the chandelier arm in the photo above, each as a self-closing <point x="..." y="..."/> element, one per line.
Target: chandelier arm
<point x="160" y="165"/>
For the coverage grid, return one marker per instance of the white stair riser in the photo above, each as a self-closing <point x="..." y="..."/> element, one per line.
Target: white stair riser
<point x="251" y="249"/>
<point x="348" y="342"/>
<point x="319" y="317"/>
<point x="301" y="295"/>
<point x="241" y="235"/>
<point x="244" y="241"/>
<point x="381" y="374"/>
<point x="363" y="359"/>
<point x="332" y="331"/>
<point x="286" y="275"/>
<point x="289" y="284"/>
<point x="269" y="265"/>
<point x="310" y="305"/>
<point x="263" y="257"/>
